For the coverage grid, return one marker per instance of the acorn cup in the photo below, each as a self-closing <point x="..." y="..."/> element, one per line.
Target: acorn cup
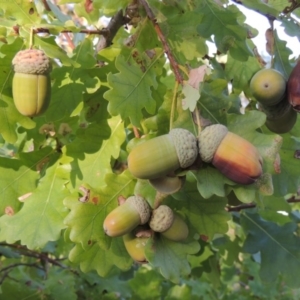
<point x="163" y="155"/>
<point x="124" y="218"/>
<point x="231" y="154"/>
<point x="31" y="86"/>
<point x="168" y="224"/>
<point x="293" y="88"/>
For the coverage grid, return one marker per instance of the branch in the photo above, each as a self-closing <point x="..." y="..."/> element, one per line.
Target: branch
<point x="21" y="264"/>
<point x="253" y="205"/>
<point x="163" y="40"/>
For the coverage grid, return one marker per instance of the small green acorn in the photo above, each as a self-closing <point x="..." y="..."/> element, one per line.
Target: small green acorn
<point x="124" y="218"/>
<point x="31" y="86"/>
<point x="168" y="224"/>
<point x="163" y="155"/>
<point x="135" y="243"/>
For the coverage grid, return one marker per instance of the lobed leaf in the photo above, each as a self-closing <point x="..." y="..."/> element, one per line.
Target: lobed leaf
<point x="41" y="218"/>
<point x="278" y="247"/>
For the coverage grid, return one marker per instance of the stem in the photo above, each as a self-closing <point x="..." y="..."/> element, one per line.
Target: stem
<point x="31" y="38"/>
<point x="163" y="40"/>
<point x="159" y="197"/>
<point x="174" y="102"/>
<point x="253" y="205"/>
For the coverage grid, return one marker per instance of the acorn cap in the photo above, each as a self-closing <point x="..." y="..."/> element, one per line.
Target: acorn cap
<point x="186" y="146"/>
<point x="141" y="206"/>
<point x="31" y="61"/>
<point x="209" y="140"/>
<point x="162" y="218"/>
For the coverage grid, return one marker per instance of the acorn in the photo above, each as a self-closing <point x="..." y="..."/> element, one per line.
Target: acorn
<point x="124" y="218"/>
<point x="268" y="86"/>
<point x="281" y="117"/>
<point x="31" y="86"/>
<point x="168" y="224"/>
<point x="231" y="154"/>
<point x="293" y="88"/>
<point x="163" y="155"/>
<point x="135" y="244"/>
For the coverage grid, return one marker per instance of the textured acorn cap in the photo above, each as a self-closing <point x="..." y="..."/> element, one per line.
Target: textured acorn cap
<point x="186" y="146"/>
<point x="209" y="140"/>
<point x="142" y="206"/>
<point x="31" y="61"/>
<point x="162" y="218"/>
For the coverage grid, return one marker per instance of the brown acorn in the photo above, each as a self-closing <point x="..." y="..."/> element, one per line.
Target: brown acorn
<point x="231" y="154"/>
<point x="31" y="82"/>
<point x="126" y="217"/>
<point x="293" y="88"/>
<point x="168" y="224"/>
<point x="163" y="155"/>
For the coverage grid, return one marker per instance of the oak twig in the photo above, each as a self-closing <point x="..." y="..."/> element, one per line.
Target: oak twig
<point x="163" y="40"/>
<point x="253" y="205"/>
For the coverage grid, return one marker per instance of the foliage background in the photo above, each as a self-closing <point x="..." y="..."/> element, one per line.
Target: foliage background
<point x="114" y="84"/>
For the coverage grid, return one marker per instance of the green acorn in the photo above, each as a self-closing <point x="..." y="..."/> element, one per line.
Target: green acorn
<point x="163" y="155"/>
<point x="124" y="218"/>
<point x="168" y="224"/>
<point x="31" y="86"/>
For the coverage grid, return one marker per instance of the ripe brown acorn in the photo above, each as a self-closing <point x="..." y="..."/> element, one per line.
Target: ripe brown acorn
<point x="162" y="155"/>
<point x="231" y="154"/>
<point x="293" y="88"/>
<point x="126" y="217"/>
<point x="168" y="224"/>
<point x="31" y="82"/>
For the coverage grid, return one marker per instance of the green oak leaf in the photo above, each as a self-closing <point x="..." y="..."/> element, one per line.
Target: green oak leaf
<point x="170" y="257"/>
<point x="222" y="23"/>
<point x="110" y="7"/>
<point x="41" y="218"/>
<point x="130" y="91"/>
<point x="215" y="101"/>
<point x="207" y="216"/>
<point x="278" y="247"/>
<point x="281" y="56"/>
<point x="274" y="209"/>
<point x="85" y="220"/>
<point x="211" y="182"/>
<point x="91" y="152"/>
<point x="241" y="72"/>
<point x="286" y="180"/>
<point x="94" y="257"/>
<point x="18" y="177"/>
<point x="24" y="13"/>
<point x="153" y="279"/>
<point x="60" y="284"/>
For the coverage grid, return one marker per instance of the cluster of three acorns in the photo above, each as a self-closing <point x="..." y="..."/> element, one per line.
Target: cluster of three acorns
<point x="159" y="160"/>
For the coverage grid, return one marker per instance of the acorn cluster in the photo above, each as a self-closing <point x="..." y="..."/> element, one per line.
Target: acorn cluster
<point x="136" y="222"/>
<point x="278" y="99"/>
<point x="161" y="158"/>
